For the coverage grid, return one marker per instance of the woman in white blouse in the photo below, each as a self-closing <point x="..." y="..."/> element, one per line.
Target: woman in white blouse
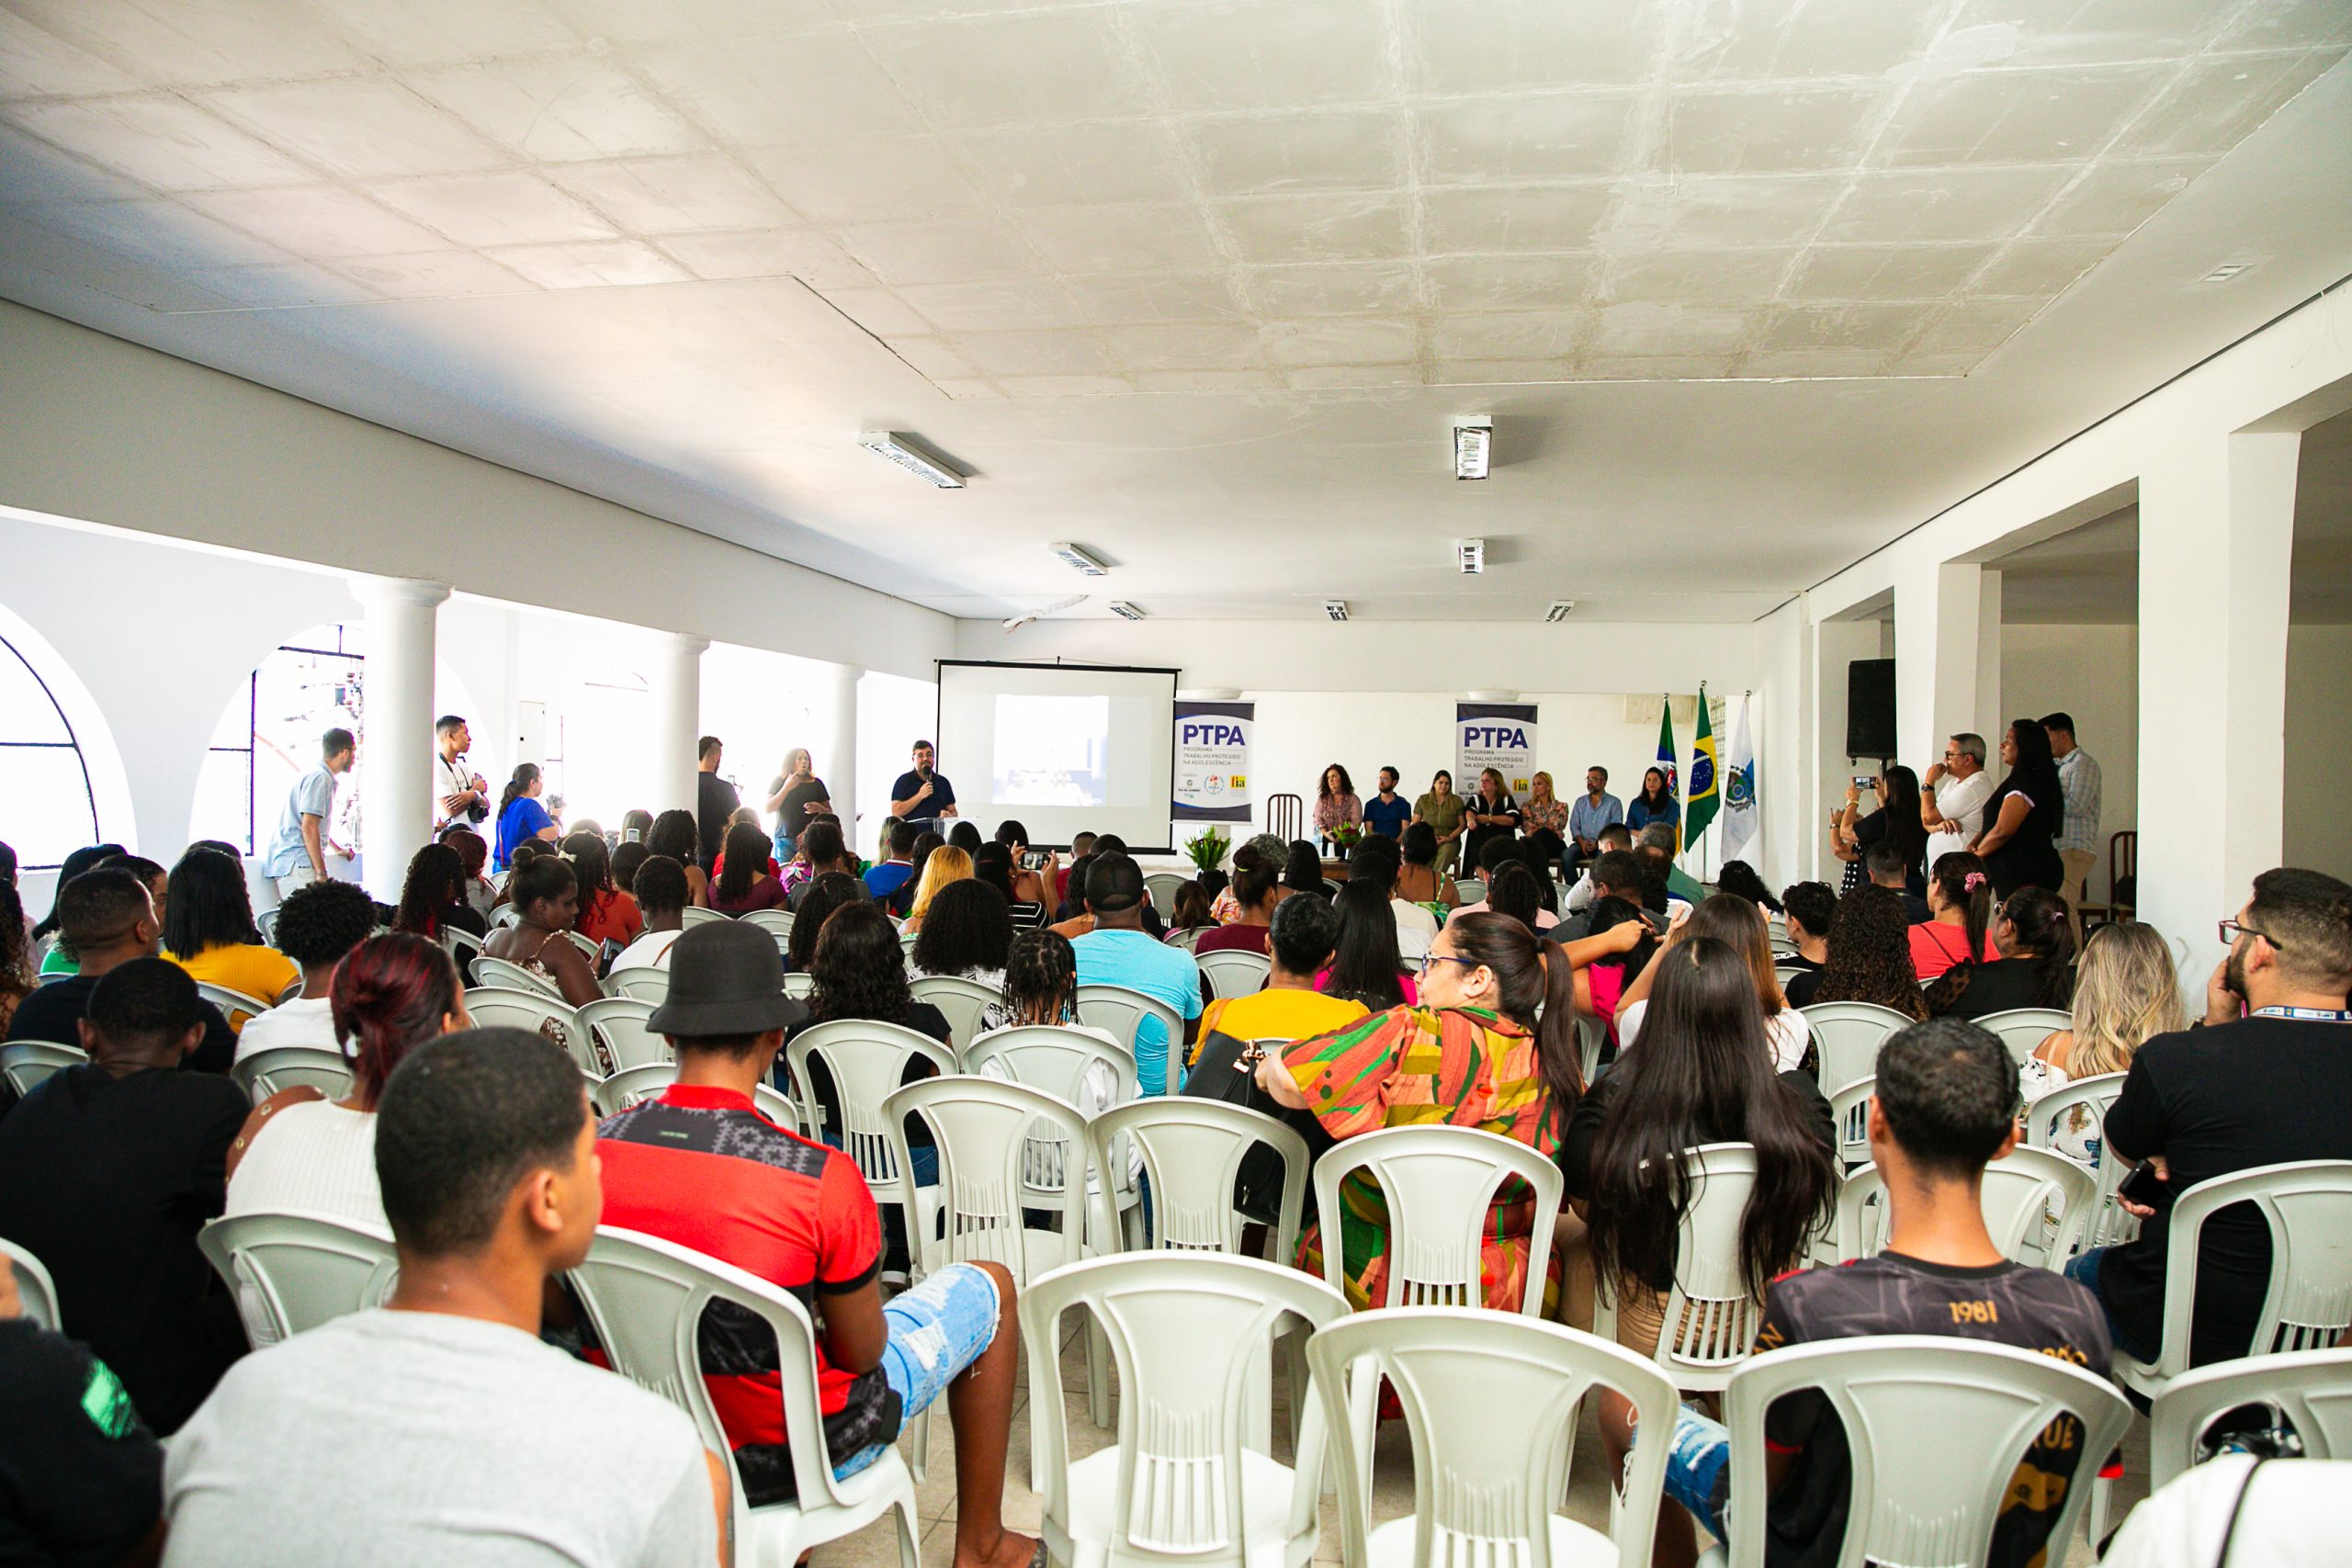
<point x="2125" y="993"/>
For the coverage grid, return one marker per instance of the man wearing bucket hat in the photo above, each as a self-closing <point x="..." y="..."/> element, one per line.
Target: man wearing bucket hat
<point x="701" y="1167"/>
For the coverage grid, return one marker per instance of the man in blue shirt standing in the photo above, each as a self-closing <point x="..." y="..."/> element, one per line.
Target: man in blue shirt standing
<point x="920" y="797"/>
<point x="1119" y="951"/>
<point x="1388" y="812"/>
<point x="1594" y="809"/>
<point x="297" y="851"/>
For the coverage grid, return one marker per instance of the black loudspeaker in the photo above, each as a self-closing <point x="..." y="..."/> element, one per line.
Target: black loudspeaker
<point x="1870" y="707"/>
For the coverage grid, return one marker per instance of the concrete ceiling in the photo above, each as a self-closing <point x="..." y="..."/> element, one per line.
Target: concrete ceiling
<point x="2091" y="574"/>
<point x="1201" y="283"/>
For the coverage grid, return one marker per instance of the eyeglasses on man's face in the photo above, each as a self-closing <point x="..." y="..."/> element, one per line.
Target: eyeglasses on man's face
<point x="2230" y="931"/>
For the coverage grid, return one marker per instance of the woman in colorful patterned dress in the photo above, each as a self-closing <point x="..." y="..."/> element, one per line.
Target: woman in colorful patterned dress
<point x="1468" y="1055"/>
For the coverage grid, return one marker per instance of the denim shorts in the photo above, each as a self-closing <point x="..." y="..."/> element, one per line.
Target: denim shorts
<point x="936" y="1330"/>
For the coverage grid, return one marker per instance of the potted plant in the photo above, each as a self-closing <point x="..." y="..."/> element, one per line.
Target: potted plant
<point x="1344" y="837"/>
<point x="1206" y="849"/>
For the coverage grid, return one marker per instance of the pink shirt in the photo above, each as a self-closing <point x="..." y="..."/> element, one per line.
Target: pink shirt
<point x="1936" y="947"/>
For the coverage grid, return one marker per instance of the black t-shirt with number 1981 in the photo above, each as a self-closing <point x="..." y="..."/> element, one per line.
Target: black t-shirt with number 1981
<point x="2006" y="1303"/>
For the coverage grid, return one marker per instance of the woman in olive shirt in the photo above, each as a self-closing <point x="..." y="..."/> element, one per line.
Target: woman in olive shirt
<point x="1444" y="812"/>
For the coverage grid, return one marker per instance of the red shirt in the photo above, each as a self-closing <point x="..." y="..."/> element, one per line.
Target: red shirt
<point x="610" y="917"/>
<point x="1936" y="947"/>
<point x="701" y="1167"/>
<point x="1233" y="939"/>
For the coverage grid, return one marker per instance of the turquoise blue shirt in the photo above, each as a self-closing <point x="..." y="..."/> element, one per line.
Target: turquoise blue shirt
<point x="1141" y="963"/>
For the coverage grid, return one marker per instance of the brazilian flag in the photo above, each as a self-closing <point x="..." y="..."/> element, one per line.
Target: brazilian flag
<point x="1706" y="794"/>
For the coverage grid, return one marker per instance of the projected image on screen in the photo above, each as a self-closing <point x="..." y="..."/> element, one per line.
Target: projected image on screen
<point x="1051" y="751"/>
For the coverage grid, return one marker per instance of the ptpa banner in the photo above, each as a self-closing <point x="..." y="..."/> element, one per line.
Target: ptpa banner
<point x="1212" y="762"/>
<point x="1500" y="736"/>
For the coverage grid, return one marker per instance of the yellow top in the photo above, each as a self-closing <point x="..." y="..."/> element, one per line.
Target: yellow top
<point x="259" y="972"/>
<point x="1277" y="1015"/>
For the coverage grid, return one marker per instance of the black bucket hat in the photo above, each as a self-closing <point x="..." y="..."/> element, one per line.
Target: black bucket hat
<point x="725" y="978"/>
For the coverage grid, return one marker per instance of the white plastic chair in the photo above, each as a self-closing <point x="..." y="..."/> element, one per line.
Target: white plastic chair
<point x="867" y="1059"/>
<point x="2023" y="1030"/>
<point x="1122" y="1011"/>
<point x="1163" y="886"/>
<point x="1849" y="1112"/>
<point x="460" y="943"/>
<point x="1710" y="1319"/>
<point x="505" y="974"/>
<point x="2308" y="1206"/>
<point x="693" y="915"/>
<point x="959" y="1000"/>
<point x="277" y="1068"/>
<point x="24" y="1063"/>
<point x="1181" y="1487"/>
<point x="2110" y="1225"/>
<point x="1058" y="1061"/>
<point x="1784" y="973"/>
<point x="265" y="922"/>
<point x="35" y="1289"/>
<point x="618" y="1024"/>
<point x="1233" y="972"/>
<point x="645" y="982"/>
<point x="1935" y="1428"/>
<point x="777" y="923"/>
<point x="1193" y="1151"/>
<point x="1492" y="1406"/>
<point x="645" y="1297"/>
<point x="799" y="986"/>
<point x="1591" y="1036"/>
<point x="1188" y="939"/>
<point x="2021" y="1191"/>
<point x="1468" y="890"/>
<point x="234" y="1005"/>
<point x="590" y="949"/>
<point x="1848" y="1035"/>
<point x="907" y="941"/>
<point x="294" y="1271"/>
<point x="625" y="1087"/>
<point x="2312" y="1389"/>
<point x="507" y="915"/>
<point x="535" y="1010"/>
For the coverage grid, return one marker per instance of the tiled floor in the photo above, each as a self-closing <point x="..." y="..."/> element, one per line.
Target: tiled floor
<point x="1391" y="1482"/>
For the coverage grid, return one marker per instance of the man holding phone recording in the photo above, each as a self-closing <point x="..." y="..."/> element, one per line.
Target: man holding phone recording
<point x="2265" y="1078"/>
<point x="923" y="797"/>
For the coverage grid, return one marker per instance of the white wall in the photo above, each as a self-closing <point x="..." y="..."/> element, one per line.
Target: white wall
<point x="2092" y="673"/>
<point x="2318" y="742"/>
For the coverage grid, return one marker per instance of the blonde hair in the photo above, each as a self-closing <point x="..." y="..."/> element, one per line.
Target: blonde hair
<point x="946" y="865"/>
<point x="2125" y="991"/>
<point x="1546" y="780"/>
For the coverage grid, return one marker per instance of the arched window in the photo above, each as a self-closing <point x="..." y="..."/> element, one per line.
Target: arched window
<point x="268" y="736"/>
<point x="47" y="801"/>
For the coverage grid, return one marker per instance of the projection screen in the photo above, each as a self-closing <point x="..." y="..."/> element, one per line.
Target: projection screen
<point x="1062" y="749"/>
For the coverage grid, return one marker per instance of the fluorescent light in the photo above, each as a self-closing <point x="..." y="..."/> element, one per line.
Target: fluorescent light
<point x="1470" y="556"/>
<point x="913" y="456"/>
<point x="1559" y="610"/>
<point x="2225" y="271"/>
<point x="1474" y="440"/>
<point x="1079" y="559"/>
<point x="1336" y="608"/>
<point x="1125" y="611"/>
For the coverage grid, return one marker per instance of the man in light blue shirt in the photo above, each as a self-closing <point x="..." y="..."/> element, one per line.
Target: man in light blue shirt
<point x="297" y="855"/>
<point x="1119" y="951"/>
<point x="1594" y="809"/>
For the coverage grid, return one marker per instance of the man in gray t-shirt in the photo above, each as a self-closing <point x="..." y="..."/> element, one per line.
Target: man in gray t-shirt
<point x="440" y="1430"/>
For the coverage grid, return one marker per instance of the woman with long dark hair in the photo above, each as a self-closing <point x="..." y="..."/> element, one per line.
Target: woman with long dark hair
<point x="818" y="900"/>
<point x="1959" y="927"/>
<point x="1896" y="822"/>
<point x="859" y="971"/>
<point x="208" y="930"/>
<point x="1336" y="803"/>
<point x="1366" y="965"/>
<point x="674" y="834"/>
<point x="1870" y="956"/>
<point x="1739" y="879"/>
<point x="744" y="882"/>
<point x="16" y="978"/>
<point x="819" y="850"/>
<point x="546" y="893"/>
<point x="1513" y="891"/>
<point x="2035" y="968"/>
<point x="1301" y="870"/>
<point x="432" y="896"/>
<point x="1702" y="1074"/>
<point x="1257" y="893"/>
<point x="520" y="816"/>
<point x="1740" y="925"/>
<point x="1655" y="803"/>
<point x="1031" y="885"/>
<point x="1473" y="1055"/>
<point x="2025" y="815"/>
<point x="606" y="914"/>
<point x="967" y="931"/>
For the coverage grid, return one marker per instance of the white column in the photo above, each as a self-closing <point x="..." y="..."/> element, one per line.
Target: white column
<point x="836" y="759"/>
<point x="396" y="817"/>
<point x="1938" y="627"/>
<point x="2217" y="533"/>
<point x="1990" y="719"/>
<point x="676" y="682"/>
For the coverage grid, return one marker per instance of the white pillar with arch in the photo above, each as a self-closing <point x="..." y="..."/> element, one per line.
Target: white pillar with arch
<point x="1940" y="657"/>
<point x="401" y="619"/>
<point x="836" y="759"/>
<point x="675" y="685"/>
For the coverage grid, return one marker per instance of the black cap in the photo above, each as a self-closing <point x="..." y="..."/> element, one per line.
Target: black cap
<point x="725" y="978"/>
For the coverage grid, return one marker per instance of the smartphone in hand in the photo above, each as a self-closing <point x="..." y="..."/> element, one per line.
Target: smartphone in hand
<point x="2142" y="1186"/>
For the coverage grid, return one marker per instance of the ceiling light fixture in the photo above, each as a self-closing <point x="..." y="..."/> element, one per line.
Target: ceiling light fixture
<point x="1470" y="556"/>
<point x="1079" y="559"/>
<point x="1474" y="440"/>
<point x="1125" y="611"/>
<point x="2225" y="271"/>
<point x="913" y="456"/>
<point x="1559" y="610"/>
<point x="1336" y="608"/>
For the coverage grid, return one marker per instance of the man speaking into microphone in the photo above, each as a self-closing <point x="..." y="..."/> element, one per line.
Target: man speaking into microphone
<point x="921" y="795"/>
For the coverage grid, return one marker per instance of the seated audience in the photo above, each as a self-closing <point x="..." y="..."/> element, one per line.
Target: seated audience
<point x="1191" y="911"/>
<point x="1302" y="869"/>
<point x="963" y="836"/>
<point x="701" y="1167"/>
<point x="1255" y="892"/>
<point x="673" y="833"/>
<point x="819" y="850"/>
<point x="1118" y="951"/>
<point x="107" y="918"/>
<point x="547" y="897"/>
<point x="946" y="865"/>
<point x="474" y="851"/>
<point x="1610" y="965"/>
<point x="520" y="817"/>
<point x="818" y="900"/>
<point x="1304" y="932"/>
<point x="1038" y="884"/>
<point x="479" y="1444"/>
<point x="317" y="924"/>
<point x="433" y="899"/>
<point x="1806" y="911"/>
<point x="606" y="913"/>
<point x="1740" y="925"/>
<point x="1470" y="1055"/>
<point x="109" y="1169"/>
<point x="1040" y="987"/>
<point x="1418" y="880"/>
<point x="1960" y="922"/>
<point x="2264" y="1082"/>
<point x="1946" y="1106"/>
<point x="1267" y="850"/>
<point x="1869" y="958"/>
<point x="1366" y="965"/>
<point x="627" y="858"/>
<point x="661" y="895"/>
<point x="392" y="994"/>
<point x="59" y="960"/>
<point x="2126" y="992"/>
<point x="1081" y="845"/>
<point x="1497" y="866"/>
<point x="887" y="882"/>
<point x="1616" y="874"/>
<point x="1739" y="879"/>
<point x="1513" y="891"/>
<point x="965" y="932"/>
<point x="209" y="931"/>
<point x="743" y="882"/>
<point x="1657" y="842"/>
<point x="16" y="976"/>
<point x="859" y="971"/>
<point x="80" y="1476"/>
<point x="158" y="881"/>
<point x="2035" y="968"/>
<point x="1381" y="863"/>
<point x="1885" y="866"/>
<point x="926" y="841"/>
<point x="1580" y="895"/>
<point x="992" y="867"/>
